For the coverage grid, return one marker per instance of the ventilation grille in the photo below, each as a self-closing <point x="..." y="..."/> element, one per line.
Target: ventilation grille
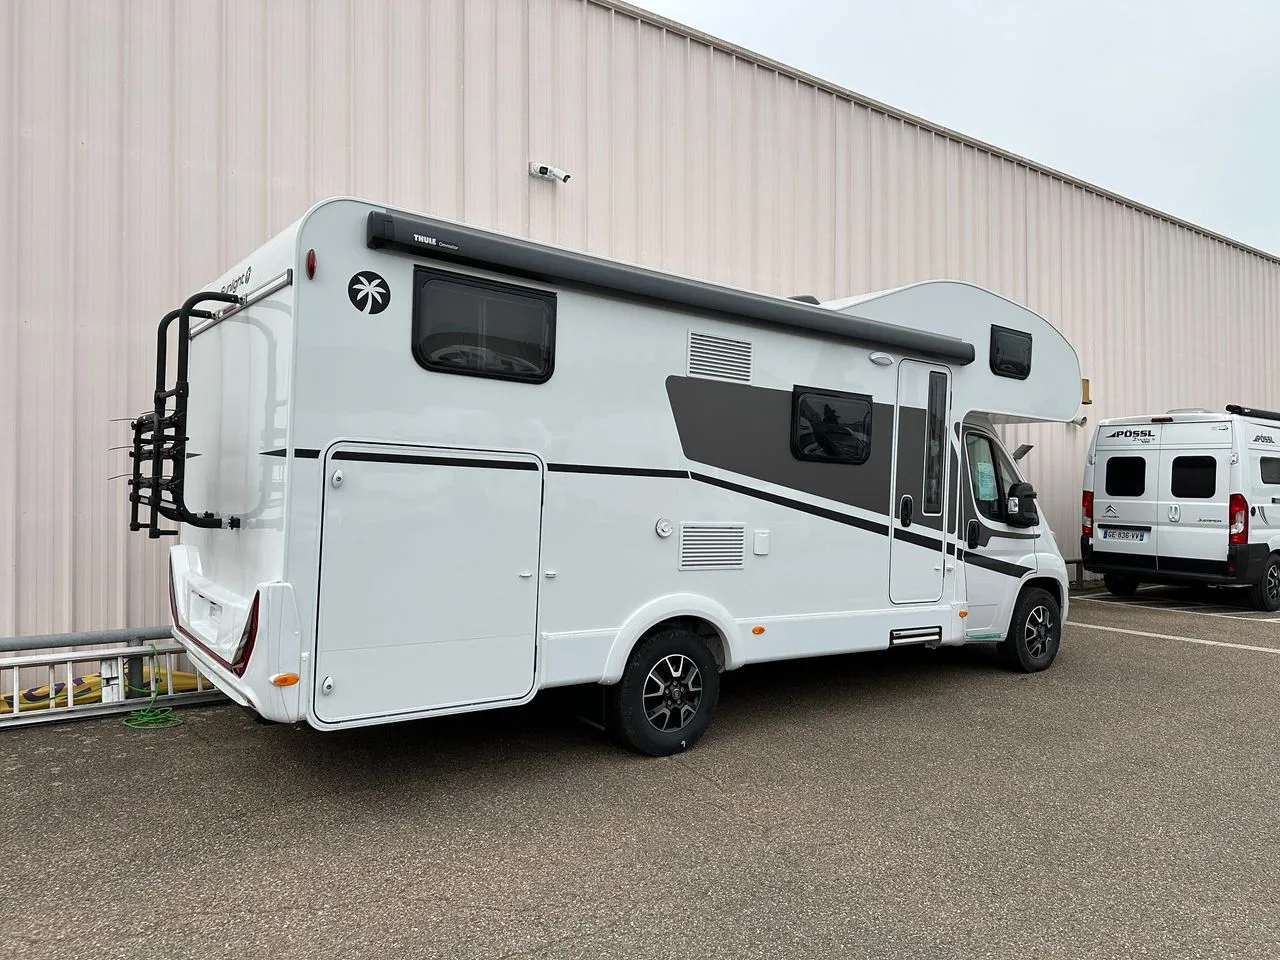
<point x="719" y="357"/>
<point x="712" y="546"/>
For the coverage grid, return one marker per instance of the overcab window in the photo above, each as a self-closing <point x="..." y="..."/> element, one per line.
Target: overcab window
<point x="830" y="427"/>
<point x="1010" y="353"/>
<point x="483" y="328"/>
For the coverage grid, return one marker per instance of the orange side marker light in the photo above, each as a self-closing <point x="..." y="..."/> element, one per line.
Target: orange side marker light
<point x="285" y="679"/>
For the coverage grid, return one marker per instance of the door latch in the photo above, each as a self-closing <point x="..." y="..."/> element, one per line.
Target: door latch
<point x="336" y="479"/>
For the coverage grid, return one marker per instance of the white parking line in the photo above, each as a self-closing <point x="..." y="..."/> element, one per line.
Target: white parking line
<point x="1166" y="636"/>
<point x="1250" y="615"/>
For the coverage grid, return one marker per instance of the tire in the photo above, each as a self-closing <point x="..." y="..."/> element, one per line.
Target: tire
<point x="1035" y="632"/>
<point x="1265" y="594"/>
<point x="666" y="675"/>
<point x="1119" y="586"/>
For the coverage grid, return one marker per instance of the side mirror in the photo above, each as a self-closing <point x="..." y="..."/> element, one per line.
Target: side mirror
<point x="1021" y="507"/>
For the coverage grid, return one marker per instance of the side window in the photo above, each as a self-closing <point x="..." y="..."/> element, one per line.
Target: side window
<point x="1194" y="478"/>
<point x="1126" y="477"/>
<point x="985" y="476"/>
<point x="481" y="328"/>
<point x="1270" y="469"/>
<point x="935" y="452"/>
<point x="830" y="427"/>
<point x="1010" y="353"/>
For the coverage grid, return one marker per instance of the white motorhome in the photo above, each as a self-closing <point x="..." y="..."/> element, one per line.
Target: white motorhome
<point x="1185" y="497"/>
<point x="421" y="468"/>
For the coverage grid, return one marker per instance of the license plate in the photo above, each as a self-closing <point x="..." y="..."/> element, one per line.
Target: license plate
<point x="1138" y="535"/>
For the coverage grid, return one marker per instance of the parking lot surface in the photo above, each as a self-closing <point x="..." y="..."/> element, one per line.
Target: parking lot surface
<point x="907" y="804"/>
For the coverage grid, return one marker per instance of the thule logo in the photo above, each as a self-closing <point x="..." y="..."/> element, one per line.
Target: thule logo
<point x="1143" y="435"/>
<point x="1263" y="438"/>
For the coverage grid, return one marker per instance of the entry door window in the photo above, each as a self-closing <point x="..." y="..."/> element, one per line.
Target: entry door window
<point x="988" y="476"/>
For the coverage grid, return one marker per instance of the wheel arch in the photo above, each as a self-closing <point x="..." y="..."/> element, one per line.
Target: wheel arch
<point x="699" y="614"/>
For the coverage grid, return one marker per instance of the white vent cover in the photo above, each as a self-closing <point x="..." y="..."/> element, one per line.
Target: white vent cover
<point x="712" y="546"/>
<point x="719" y="357"/>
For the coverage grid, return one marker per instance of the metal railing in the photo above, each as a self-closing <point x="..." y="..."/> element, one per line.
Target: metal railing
<point x="109" y="672"/>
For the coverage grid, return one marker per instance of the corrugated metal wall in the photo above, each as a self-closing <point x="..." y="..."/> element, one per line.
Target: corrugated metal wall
<point x="144" y="144"/>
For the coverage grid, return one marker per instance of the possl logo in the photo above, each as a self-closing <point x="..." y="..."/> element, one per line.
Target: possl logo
<point x="1133" y="434"/>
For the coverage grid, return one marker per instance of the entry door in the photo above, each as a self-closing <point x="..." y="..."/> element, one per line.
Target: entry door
<point x="917" y="548"/>
<point x="428" y="580"/>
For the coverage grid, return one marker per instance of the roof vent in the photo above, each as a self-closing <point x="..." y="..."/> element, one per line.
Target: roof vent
<point x="719" y="357"/>
<point x="713" y="546"/>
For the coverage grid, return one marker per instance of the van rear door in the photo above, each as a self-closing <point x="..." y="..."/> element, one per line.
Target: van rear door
<point x="1125" y="499"/>
<point x="1194" y="497"/>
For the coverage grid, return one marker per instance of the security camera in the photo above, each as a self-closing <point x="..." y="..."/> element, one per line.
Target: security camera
<point x="547" y="172"/>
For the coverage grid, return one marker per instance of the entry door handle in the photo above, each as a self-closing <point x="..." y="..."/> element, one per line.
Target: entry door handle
<point x="904" y="512"/>
<point x="1174" y="512"/>
<point x="971" y="535"/>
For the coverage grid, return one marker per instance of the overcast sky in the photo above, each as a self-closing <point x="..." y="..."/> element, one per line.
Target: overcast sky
<point x="1171" y="103"/>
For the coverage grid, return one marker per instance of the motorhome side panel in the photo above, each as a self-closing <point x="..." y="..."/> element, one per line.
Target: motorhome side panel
<point x="1259" y="479"/>
<point x="668" y="449"/>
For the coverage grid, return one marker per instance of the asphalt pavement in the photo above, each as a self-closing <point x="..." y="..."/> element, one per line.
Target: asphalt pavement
<point x="906" y="804"/>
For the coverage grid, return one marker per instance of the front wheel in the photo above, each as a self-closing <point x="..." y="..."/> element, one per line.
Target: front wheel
<point x="1265" y="594"/>
<point x="1035" y="632"/>
<point x="668" y="691"/>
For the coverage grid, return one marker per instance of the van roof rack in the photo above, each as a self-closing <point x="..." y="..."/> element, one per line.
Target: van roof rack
<point x="1252" y="412"/>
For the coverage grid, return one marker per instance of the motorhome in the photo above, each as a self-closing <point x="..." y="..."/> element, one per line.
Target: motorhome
<point x="415" y="467"/>
<point x="1185" y="497"/>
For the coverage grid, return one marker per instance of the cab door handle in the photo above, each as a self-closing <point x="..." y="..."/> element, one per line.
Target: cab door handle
<point x="904" y="512"/>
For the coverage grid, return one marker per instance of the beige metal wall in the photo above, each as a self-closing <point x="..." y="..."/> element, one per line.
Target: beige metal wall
<point x="144" y="144"/>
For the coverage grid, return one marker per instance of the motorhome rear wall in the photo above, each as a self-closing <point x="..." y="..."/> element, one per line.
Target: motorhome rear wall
<point x="147" y="146"/>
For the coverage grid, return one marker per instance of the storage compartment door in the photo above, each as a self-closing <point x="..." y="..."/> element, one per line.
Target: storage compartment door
<point x="428" y="580"/>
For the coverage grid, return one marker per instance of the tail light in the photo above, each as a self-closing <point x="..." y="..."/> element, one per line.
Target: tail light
<point x="245" y="650"/>
<point x="1086" y="520"/>
<point x="1239" y="516"/>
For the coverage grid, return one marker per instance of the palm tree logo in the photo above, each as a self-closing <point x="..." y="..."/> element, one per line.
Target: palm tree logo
<point x="368" y="292"/>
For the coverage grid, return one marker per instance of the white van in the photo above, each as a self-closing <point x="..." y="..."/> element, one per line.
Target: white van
<point x="1186" y="497"/>
<point x="421" y="468"/>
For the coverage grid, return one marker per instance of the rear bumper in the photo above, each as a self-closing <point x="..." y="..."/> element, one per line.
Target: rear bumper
<point x="1244" y="566"/>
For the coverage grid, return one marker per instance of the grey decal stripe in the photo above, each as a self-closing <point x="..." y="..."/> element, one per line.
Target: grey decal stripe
<point x="746" y="430"/>
<point x="451" y="242"/>
<point x="809" y="508"/>
<point x="992" y="564"/>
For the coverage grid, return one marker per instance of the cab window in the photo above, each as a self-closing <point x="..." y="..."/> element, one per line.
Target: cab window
<point x="990" y="476"/>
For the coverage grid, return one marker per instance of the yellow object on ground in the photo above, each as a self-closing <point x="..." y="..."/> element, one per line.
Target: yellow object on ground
<point x="88" y="689"/>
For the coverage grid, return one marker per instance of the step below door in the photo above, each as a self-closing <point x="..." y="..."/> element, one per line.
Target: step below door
<point x="428" y="580"/>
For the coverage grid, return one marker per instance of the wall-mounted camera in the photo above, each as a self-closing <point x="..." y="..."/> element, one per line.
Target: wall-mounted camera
<point x="548" y="172"/>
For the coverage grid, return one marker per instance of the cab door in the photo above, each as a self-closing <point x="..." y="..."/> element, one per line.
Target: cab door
<point x="995" y="555"/>
<point x="428" y="580"/>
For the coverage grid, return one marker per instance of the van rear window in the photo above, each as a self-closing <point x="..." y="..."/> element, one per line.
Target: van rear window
<point x="1194" y="478"/>
<point x="1126" y="477"/>
<point x="1271" y="469"/>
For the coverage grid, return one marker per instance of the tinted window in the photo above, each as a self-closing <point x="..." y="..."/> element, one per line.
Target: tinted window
<point x="1010" y="353"/>
<point x="830" y="427"/>
<point x="1270" y="470"/>
<point x="1126" y="477"/>
<point x="1194" y="478"/>
<point x="935" y="451"/>
<point x="985" y="476"/>
<point x="482" y="328"/>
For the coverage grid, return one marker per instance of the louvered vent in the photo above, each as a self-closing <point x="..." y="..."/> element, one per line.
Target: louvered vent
<point x="719" y="357"/>
<point x="712" y="546"/>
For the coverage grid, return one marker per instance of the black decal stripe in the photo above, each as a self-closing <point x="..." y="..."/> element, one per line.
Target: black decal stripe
<point x="809" y="508"/>
<point x="616" y="471"/>
<point x="371" y="457"/>
<point x="994" y="565"/>
<point x="300" y="453"/>
<point x="920" y="540"/>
